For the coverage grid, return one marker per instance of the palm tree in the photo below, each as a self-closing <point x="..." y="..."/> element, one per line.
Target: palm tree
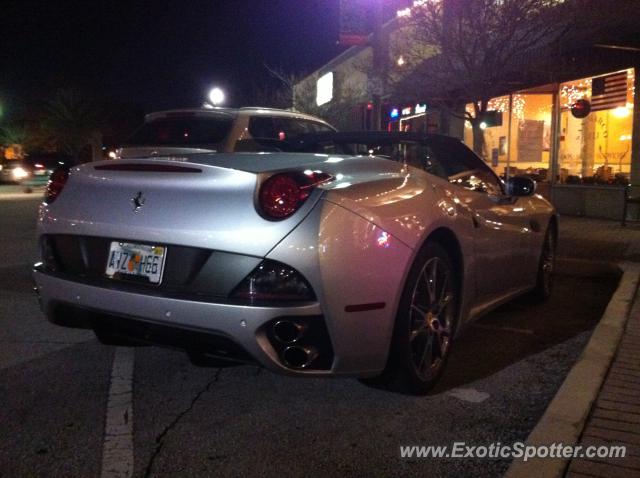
<point x="73" y="122"/>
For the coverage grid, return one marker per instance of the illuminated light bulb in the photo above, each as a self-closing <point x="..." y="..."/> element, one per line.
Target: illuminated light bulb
<point x="621" y="112"/>
<point x="216" y="96"/>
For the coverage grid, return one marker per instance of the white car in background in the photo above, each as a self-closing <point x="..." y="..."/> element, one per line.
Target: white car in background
<point x="221" y="130"/>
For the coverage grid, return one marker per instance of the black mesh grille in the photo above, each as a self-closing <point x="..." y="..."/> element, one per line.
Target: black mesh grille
<point x="189" y="272"/>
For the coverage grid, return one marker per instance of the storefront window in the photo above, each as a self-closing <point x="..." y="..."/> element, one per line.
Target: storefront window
<point x="527" y="152"/>
<point x="595" y="130"/>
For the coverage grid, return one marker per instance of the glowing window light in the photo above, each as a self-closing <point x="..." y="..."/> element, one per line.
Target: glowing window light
<point x="324" y="89"/>
<point x="621" y="112"/>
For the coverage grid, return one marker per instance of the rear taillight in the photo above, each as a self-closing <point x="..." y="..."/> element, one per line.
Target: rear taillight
<point x="56" y="183"/>
<point x="273" y="281"/>
<point x="282" y="194"/>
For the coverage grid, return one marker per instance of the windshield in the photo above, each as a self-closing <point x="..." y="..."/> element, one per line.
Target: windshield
<point x="182" y="131"/>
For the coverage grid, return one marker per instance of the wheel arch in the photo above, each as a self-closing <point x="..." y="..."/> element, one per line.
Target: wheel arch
<point x="449" y="241"/>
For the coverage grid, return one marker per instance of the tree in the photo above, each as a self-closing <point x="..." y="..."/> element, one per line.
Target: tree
<point x="73" y="122"/>
<point x="479" y="47"/>
<point x="279" y="93"/>
<point x="339" y="112"/>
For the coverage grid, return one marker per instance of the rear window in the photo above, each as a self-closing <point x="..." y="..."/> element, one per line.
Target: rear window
<point x="182" y="131"/>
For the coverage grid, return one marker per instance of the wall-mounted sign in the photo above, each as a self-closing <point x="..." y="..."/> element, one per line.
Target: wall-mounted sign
<point x="420" y="108"/>
<point x="394" y="113"/>
<point x="406" y="111"/>
<point x="355" y="22"/>
<point x="324" y="89"/>
<point x="581" y="109"/>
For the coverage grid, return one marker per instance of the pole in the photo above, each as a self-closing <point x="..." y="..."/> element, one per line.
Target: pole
<point x="380" y="60"/>
<point x="508" y="171"/>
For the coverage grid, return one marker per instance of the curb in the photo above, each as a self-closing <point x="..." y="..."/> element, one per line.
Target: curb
<point x="565" y="418"/>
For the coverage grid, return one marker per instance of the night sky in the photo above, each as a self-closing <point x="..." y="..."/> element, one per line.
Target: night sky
<point x="159" y="54"/>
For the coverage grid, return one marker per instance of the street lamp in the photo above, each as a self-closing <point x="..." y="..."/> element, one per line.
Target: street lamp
<point x="216" y="96"/>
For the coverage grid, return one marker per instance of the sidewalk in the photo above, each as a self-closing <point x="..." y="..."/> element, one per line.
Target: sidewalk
<point x="615" y="417"/>
<point x="599" y="400"/>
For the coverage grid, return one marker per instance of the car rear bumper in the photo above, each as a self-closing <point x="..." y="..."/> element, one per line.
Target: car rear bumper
<point x="241" y="332"/>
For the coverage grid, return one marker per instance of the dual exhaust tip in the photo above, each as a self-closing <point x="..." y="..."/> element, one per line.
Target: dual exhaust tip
<point x="289" y="332"/>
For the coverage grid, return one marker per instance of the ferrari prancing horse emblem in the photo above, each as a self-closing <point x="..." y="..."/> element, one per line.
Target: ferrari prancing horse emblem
<point x="137" y="201"/>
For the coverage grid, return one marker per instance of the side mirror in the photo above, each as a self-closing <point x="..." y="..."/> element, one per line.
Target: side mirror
<point x="520" y="186"/>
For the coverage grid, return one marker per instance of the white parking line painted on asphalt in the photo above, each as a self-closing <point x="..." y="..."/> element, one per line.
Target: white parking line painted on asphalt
<point x="117" y="450"/>
<point x="469" y="395"/>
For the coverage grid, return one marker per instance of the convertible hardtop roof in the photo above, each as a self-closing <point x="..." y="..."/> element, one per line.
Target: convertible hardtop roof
<point x="371" y="137"/>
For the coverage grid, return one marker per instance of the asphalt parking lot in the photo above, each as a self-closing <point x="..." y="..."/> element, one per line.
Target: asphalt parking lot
<point x="245" y="421"/>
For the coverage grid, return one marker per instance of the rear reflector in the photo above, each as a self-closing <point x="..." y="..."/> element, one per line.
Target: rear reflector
<point x="365" y="307"/>
<point x="274" y="281"/>
<point x="150" y="168"/>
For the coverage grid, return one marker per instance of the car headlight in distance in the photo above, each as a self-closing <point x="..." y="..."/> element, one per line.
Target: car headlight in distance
<point x="274" y="281"/>
<point x="19" y="173"/>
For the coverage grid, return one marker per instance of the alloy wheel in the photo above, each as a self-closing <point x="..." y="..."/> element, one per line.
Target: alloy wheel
<point x="431" y="318"/>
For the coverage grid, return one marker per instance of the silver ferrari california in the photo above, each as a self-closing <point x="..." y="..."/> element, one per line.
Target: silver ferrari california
<point x="362" y="262"/>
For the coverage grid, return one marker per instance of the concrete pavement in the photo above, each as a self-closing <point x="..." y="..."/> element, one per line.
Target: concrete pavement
<point x="599" y="401"/>
<point x="55" y="387"/>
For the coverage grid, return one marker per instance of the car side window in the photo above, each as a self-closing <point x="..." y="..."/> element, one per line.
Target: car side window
<point x="463" y="168"/>
<point x="289" y="128"/>
<point x="262" y="127"/>
<point x="315" y="127"/>
<point x="422" y="156"/>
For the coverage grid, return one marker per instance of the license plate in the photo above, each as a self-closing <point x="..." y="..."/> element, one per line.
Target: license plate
<point x="136" y="260"/>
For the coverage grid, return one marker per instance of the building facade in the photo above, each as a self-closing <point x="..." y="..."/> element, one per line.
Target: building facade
<point x="577" y="134"/>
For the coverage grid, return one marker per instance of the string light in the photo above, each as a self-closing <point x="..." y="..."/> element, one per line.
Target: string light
<point x="572" y="92"/>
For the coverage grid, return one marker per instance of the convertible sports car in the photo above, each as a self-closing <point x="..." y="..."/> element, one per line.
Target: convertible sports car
<point x="308" y="263"/>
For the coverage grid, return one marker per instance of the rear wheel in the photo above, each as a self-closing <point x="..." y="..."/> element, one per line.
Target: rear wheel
<point x="546" y="266"/>
<point x="425" y="323"/>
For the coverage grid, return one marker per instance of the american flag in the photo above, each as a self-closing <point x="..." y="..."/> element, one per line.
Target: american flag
<point x="608" y="92"/>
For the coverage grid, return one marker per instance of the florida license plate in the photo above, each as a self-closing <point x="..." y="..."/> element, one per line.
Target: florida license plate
<point x="136" y="260"/>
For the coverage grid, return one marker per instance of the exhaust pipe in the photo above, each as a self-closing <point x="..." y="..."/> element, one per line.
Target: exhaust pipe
<point x="299" y="357"/>
<point x="288" y="332"/>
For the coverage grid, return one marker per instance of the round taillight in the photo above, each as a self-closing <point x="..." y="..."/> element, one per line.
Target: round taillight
<point x="56" y="183"/>
<point x="281" y="195"/>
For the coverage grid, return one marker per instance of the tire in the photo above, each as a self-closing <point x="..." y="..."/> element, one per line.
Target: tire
<point x="425" y="323"/>
<point x="546" y="267"/>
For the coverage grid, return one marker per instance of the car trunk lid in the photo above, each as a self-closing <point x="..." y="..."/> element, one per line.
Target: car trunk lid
<point x="191" y="203"/>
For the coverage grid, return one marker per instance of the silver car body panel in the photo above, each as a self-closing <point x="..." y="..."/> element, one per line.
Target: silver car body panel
<point x="354" y="240"/>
